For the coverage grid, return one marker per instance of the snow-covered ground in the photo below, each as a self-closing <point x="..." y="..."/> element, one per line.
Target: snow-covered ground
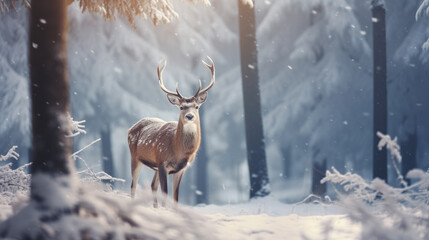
<point x="92" y="208"/>
<point x="264" y="218"/>
<point x="270" y="219"/>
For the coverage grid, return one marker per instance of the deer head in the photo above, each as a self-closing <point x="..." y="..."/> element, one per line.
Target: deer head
<point x="188" y="105"/>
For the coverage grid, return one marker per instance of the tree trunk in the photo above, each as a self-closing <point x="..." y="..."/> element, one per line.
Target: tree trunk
<point x="380" y="88"/>
<point x="409" y="155"/>
<point x="252" y="103"/>
<point x="287" y="163"/>
<point x="106" y="151"/>
<point x="201" y="162"/>
<point x="319" y="170"/>
<point x="49" y="94"/>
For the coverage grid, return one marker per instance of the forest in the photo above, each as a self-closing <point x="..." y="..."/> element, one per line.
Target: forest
<point x="310" y="115"/>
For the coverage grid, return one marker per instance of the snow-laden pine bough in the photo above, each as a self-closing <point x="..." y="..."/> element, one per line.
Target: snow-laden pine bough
<point x="168" y="147"/>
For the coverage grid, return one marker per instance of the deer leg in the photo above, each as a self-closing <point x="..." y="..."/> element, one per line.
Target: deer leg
<point x="154" y="185"/>
<point x="177" y="178"/>
<point x="135" y="173"/>
<point x="162" y="174"/>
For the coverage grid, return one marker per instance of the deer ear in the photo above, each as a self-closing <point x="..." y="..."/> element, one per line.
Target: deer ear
<point x="201" y="98"/>
<point x="174" y="99"/>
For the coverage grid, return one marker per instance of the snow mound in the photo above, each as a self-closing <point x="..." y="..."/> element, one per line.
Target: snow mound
<point x="92" y="214"/>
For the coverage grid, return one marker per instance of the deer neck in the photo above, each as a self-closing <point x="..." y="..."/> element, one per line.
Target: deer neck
<point x="187" y="139"/>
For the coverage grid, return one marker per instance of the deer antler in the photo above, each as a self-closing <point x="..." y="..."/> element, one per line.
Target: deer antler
<point x="161" y="82"/>
<point x="212" y="82"/>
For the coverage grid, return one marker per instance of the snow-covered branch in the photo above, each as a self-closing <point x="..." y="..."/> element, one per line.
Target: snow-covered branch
<point x="394" y="149"/>
<point x="423" y="9"/>
<point x="87" y="146"/>
<point x="391" y="145"/>
<point x="352" y="183"/>
<point x="159" y="11"/>
<point x="10" y="154"/>
<point x="88" y="175"/>
<point x="75" y="127"/>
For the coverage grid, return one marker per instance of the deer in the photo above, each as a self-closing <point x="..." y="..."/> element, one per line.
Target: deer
<point x="168" y="147"/>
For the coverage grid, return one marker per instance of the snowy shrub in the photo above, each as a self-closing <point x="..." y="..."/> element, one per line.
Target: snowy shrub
<point x="386" y="212"/>
<point x="12" y="181"/>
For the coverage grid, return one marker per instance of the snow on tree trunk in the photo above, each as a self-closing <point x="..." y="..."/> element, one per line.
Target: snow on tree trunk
<point x="252" y="103"/>
<point x="380" y="87"/>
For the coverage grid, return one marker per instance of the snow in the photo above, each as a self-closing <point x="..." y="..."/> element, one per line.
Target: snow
<point x="372" y="210"/>
<point x="10" y="154"/>
<point x="264" y="218"/>
<point x="268" y="218"/>
<point x="74" y="127"/>
<point x="96" y="210"/>
<point x="391" y="145"/>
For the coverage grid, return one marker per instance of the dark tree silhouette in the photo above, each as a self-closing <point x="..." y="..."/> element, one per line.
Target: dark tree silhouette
<point x="252" y="103"/>
<point x="287" y="162"/>
<point x="201" y="162"/>
<point x="318" y="166"/>
<point x="106" y="151"/>
<point x="409" y="154"/>
<point x="319" y="170"/>
<point x="380" y="87"/>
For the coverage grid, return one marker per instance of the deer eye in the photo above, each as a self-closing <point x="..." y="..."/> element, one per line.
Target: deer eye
<point x="181" y="108"/>
<point x="196" y="107"/>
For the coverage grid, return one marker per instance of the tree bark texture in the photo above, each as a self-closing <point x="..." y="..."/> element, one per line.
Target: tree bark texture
<point x="49" y="88"/>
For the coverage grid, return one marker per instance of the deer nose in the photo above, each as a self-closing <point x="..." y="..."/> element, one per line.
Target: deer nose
<point x="189" y="116"/>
